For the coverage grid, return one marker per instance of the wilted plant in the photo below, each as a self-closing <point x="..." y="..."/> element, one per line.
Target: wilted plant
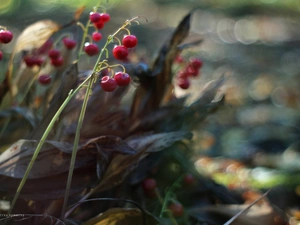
<point x="72" y="126"/>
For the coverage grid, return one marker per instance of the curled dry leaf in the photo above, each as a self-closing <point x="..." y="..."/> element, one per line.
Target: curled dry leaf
<point x="122" y="165"/>
<point x="156" y="86"/>
<point x="35" y="35"/>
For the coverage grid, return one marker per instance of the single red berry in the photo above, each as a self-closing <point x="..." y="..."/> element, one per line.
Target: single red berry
<point x="6" y="36"/>
<point x="176" y="209"/>
<point x="69" y="43"/>
<point x="192" y="71"/>
<point x="91" y="49"/>
<point x="97" y="36"/>
<point x="189" y="179"/>
<point x="57" y="62"/>
<point x="29" y="60"/>
<point x="120" y="52"/>
<point x="99" y="25"/>
<point x="54" y="54"/>
<point x="104" y="17"/>
<point x="95" y="17"/>
<point x="184" y="83"/>
<point x="149" y="184"/>
<point x="196" y="63"/>
<point x="129" y="41"/>
<point x="108" y="84"/>
<point x="122" y="79"/>
<point x="179" y="59"/>
<point x="44" y="79"/>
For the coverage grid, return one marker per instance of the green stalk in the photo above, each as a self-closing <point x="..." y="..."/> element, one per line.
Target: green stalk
<point x="168" y="194"/>
<point x="79" y="125"/>
<point x="42" y="141"/>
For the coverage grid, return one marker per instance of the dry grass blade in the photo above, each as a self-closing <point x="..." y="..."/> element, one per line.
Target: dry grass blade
<point x="247" y="208"/>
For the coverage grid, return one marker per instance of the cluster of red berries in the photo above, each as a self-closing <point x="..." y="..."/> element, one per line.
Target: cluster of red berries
<point x="120" y="52"/>
<point x="192" y="69"/>
<point x="109" y="84"/>
<point x="5" y="37"/>
<point x="38" y="57"/>
<point x="98" y="20"/>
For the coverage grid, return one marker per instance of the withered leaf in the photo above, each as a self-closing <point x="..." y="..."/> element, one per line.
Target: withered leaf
<point x="122" y="165"/>
<point x="54" y="157"/>
<point x="35" y="35"/>
<point x="122" y="216"/>
<point x="156" y="88"/>
<point x="78" y="13"/>
<point x="156" y="142"/>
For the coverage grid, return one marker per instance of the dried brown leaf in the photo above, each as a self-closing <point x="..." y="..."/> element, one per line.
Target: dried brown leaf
<point x="35" y="35"/>
<point x="78" y="13"/>
<point x="156" y="88"/>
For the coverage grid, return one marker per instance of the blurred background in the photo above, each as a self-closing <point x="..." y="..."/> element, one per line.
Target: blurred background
<point x="255" y="43"/>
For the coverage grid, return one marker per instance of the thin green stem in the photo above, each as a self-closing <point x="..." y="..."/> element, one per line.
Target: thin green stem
<point x="42" y="141"/>
<point x="79" y="125"/>
<point x="168" y="194"/>
<point x="76" y="142"/>
<point x="85" y="33"/>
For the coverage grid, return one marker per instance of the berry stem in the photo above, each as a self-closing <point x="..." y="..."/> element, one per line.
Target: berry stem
<point x="168" y="195"/>
<point x="91" y="79"/>
<point x="85" y="33"/>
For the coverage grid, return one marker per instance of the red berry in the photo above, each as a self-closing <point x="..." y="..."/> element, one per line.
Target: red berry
<point x="129" y="41"/>
<point x="91" y="49"/>
<point x="108" y="84"/>
<point x="54" y="54"/>
<point x="196" y="63"/>
<point x="149" y="185"/>
<point x="97" y="36"/>
<point x="189" y="179"/>
<point x="120" y="52"/>
<point x="179" y="59"/>
<point x="192" y="71"/>
<point x="69" y="43"/>
<point x="29" y="61"/>
<point x="1" y="55"/>
<point x="122" y="79"/>
<point x="57" y="62"/>
<point x="44" y="79"/>
<point x="176" y="209"/>
<point x="6" y="36"/>
<point x="95" y="17"/>
<point x="184" y="83"/>
<point x="99" y="25"/>
<point x="105" y="17"/>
